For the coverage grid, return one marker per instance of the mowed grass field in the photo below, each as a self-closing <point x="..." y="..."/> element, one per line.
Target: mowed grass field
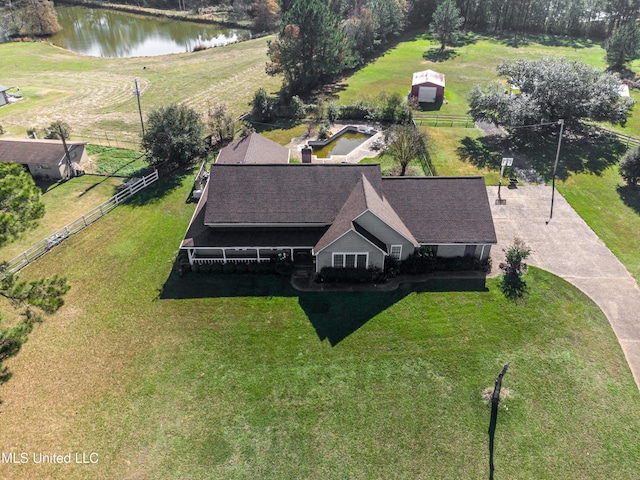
<point x="205" y="377"/>
<point x="95" y="95"/>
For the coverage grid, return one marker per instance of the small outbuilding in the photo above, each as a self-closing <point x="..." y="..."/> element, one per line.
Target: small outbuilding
<point x="428" y="86"/>
<point x="44" y="158"/>
<point x="4" y="97"/>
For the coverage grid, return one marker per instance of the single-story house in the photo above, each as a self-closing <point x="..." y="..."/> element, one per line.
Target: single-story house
<point x="4" y="96"/>
<point x="43" y="158"/>
<point x="335" y="215"/>
<point x="428" y="86"/>
<point x="254" y="148"/>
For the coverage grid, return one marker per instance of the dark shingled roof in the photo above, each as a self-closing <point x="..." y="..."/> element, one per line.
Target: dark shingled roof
<point x="253" y="149"/>
<point x="363" y="197"/>
<point x="272" y="194"/>
<point x="278" y="200"/>
<point x="199" y="235"/>
<point x="3" y="88"/>
<point x="49" y="152"/>
<point x="442" y="209"/>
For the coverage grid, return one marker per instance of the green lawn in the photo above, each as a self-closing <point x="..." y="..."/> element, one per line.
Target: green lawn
<point x="243" y="377"/>
<point x="116" y="161"/>
<point x="612" y="210"/>
<point x="64" y="202"/>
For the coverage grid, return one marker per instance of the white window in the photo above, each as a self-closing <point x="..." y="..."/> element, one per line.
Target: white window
<point x="396" y="252"/>
<point x="350" y="260"/>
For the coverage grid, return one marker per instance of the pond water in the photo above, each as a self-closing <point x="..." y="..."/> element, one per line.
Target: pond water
<point x="341" y="145"/>
<point x="107" y="33"/>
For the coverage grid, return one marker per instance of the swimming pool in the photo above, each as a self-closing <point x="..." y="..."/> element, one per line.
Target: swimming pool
<point x="343" y="142"/>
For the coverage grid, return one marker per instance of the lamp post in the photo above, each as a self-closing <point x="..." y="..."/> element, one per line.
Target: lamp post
<point x="555" y="167"/>
<point x="136" y="92"/>
<point x="506" y="162"/>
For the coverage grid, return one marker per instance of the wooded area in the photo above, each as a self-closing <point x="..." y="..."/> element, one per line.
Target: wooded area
<point x="595" y="19"/>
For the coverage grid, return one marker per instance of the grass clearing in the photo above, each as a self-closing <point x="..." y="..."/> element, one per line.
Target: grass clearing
<point x="116" y="161"/>
<point x="236" y="376"/>
<point x="94" y="95"/>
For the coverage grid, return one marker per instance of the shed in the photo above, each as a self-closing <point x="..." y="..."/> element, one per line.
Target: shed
<point x="428" y="86"/>
<point x="4" y="98"/>
<point x="43" y="158"/>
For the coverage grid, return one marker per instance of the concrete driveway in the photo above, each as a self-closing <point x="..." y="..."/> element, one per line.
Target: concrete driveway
<point x="567" y="247"/>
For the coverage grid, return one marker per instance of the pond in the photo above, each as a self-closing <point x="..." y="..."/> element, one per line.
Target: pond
<point x="107" y="33"/>
<point x="341" y="144"/>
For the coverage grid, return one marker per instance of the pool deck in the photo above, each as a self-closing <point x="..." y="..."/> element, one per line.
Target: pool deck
<point x="363" y="151"/>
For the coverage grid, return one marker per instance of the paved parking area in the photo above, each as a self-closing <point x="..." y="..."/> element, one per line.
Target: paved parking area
<point x="567" y="247"/>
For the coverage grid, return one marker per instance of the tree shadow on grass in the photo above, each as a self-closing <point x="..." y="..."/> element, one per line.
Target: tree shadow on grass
<point x="591" y="152"/>
<point x="630" y="195"/>
<point x="334" y="315"/>
<point x="168" y="181"/>
<point x="438" y="55"/>
<point x="513" y="287"/>
<point x="517" y="40"/>
<point x="483" y="152"/>
<point x="587" y="153"/>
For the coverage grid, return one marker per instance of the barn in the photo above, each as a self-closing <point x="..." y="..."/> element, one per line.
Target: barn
<point x="428" y="86"/>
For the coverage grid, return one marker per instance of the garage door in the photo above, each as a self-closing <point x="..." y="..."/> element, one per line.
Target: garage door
<point x="427" y="94"/>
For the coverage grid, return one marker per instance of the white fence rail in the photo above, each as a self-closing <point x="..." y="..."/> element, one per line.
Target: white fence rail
<point x="43" y="246"/>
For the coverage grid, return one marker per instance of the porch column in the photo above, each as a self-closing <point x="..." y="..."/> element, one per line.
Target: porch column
<point x="224" y="255"/>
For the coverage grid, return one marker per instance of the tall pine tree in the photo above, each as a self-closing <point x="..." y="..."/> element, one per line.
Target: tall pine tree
<point x="310" y="49"/>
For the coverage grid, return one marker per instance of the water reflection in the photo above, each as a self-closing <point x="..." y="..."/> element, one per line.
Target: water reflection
<point x="107" y="33"/>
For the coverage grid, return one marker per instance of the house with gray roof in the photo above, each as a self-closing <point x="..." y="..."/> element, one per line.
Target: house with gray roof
<point x="335" y="215"/>
<point x="254" y="148"/>
<point x="44" y="158"/>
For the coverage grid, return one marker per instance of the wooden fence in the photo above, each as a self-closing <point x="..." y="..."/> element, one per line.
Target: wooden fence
<point x="43" y="246"/>
<point x="442" y="120"/>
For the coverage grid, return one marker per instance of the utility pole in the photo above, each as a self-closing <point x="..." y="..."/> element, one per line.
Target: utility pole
<point x="555" y="167"/>
<point x="136" y="92"/>
<point x="66" y="152"/>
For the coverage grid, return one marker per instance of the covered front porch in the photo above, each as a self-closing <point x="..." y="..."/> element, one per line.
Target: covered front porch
<point x="210" y="255"/>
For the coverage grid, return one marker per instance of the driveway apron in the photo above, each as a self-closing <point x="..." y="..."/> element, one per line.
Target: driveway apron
<point x="567" y="247"/>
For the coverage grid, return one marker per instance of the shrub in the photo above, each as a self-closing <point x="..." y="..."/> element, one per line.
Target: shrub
<point x="421" y="261"/>
<point x="352" y="275"/>
<point x="284" y="264"/>
<point x="630" y="167"/>
<point x="229" y="268"/>
<point x="262" y="106"/>
<point x="325" y="131"/>
<point x="297" y="107"/>
<point x="216" y="268"/>
<point x="513" y="286"/>
<point x="242" y="267"/>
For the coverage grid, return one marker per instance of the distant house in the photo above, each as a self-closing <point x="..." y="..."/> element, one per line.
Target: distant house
<point x="253" y="149"/>
<point x="43" y="158"/>
<point x="4" y="97"/>
<point x="335" y="215"/>
<point x="428" y="86"/>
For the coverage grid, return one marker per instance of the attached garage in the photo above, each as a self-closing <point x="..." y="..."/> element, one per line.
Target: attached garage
<point x="428" y="86"/>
